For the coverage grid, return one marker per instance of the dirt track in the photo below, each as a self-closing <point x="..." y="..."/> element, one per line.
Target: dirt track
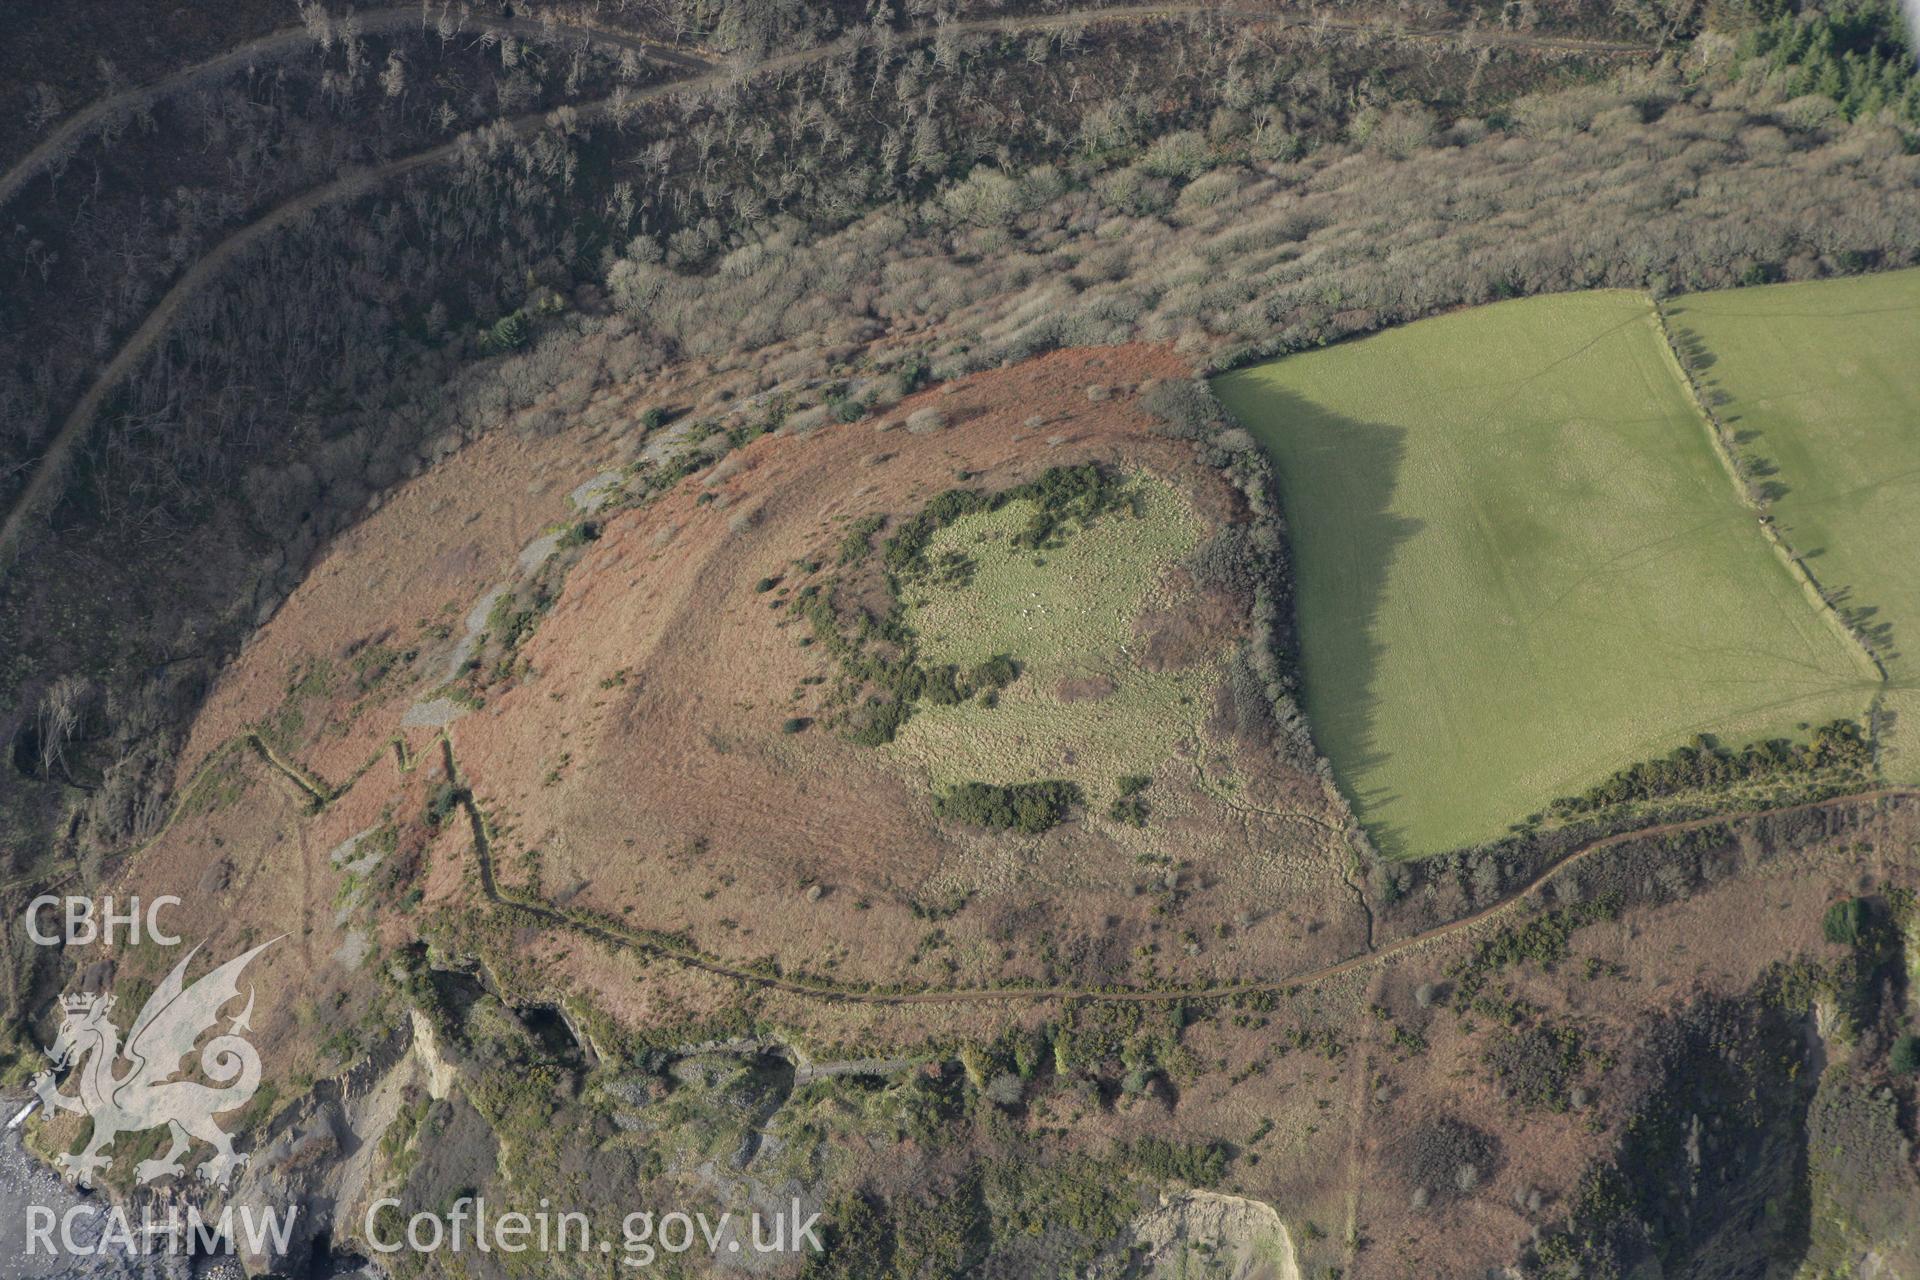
<point x="45" y="484"/>
<point x="617" y="936"/>
<point x="96" y="115"/>
<point x="68" y="136"/>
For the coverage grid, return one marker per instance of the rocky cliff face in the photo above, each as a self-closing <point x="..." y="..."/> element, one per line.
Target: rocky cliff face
<point x="324" y="1159"/>
<point x="1228" y="1236"/>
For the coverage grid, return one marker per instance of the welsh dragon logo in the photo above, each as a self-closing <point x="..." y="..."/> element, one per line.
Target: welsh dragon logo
<point x="143" y="1095"/>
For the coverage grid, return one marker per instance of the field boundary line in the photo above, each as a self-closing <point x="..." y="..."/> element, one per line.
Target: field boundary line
<point x="1796" y="565"/>
<point x="622" y="936"/>
<point x="652" y="943"/>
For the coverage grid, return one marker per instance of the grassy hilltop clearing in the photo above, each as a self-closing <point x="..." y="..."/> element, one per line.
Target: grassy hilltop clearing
<point x="1521" y="566"/>
<point x="1818" y="385"/>
<point x="1084" y="708"/>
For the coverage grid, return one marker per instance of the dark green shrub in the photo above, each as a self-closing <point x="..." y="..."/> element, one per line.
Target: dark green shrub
<point x="1029" y="807"/>
<point x="1705" y="765"/>
<point x="1845" y="921"/>
<point x="1905" y="1058"/>
<point x="913" y="373"/>
<point x="877" y="722"/>
<point x="441" y="802"/>
<point x="1130" y="806"/>
<point x="1196" y="1164"/>
<point x="1536" y="1064"/>
<point x="1067" y="494"/>
<point x="859" y="1241"/>
<point x="941" y="686"/>
<point x="509" y="333"/>
<point x="1446" y="1157"/>
<point x="579" y="535"/>
<point x="853" y="546"/>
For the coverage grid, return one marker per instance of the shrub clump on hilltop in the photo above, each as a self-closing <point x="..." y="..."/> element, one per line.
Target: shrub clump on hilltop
<point x="1026" y="807"/>
<point x="882" y="674"/>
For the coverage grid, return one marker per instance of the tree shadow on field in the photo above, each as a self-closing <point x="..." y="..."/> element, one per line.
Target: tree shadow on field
<point x="1337" y="477"/>
<point x="1762" y="476"/>
<point x="1757" y="471"/>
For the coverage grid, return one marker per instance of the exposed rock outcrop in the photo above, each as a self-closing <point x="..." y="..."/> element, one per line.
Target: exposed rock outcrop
<point x="1240" y="1239"/>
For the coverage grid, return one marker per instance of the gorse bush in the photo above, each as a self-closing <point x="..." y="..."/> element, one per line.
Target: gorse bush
<point x="1845" y="922"/>
<point x="912" y="373"/>
<point x="881" y="656"/>
<point x="878" y="722"/>
<point x="1904" y="1059"/>
<point x="996" y="672"/>
<point x="1535" y="1064"/>
<point x="1130" y="806"/>
<point x="856" y="541"/>
<point x="1544" y="940"/>
<point x="1706" y="765"/>
<point x="1198" y="1164"/>
<point x="1446" y="1157"/>
<point x="1026" y="807"/>
<point x="1062" y="496"/>
<point x="878" y="654"/>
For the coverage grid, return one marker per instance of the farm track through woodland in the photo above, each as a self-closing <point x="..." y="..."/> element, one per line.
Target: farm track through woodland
<point x="60" y="145"/>
<point x="43" y="488"/>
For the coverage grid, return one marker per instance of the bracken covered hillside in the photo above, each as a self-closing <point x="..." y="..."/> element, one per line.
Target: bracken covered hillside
<point x="678" y="558"/>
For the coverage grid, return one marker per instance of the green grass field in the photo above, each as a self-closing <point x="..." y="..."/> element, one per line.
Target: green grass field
<point x="1065" y="614"/>
<point x="1521" y="565"/>
<point x="1821" y="380"/>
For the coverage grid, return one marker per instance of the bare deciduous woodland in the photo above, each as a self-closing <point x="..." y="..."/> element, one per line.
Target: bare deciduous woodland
<point x="270" y="266"/>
